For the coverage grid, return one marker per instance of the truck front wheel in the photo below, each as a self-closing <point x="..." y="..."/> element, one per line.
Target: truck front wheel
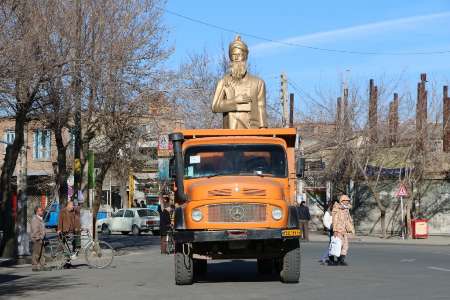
<point x="290" y="269"/>
<point x="184" y="268"/>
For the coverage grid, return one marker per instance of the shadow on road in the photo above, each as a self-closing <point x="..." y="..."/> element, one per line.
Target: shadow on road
<point x="15" y="285"/>
<point x="235" y="271"/>
<point x="121" y="242"/>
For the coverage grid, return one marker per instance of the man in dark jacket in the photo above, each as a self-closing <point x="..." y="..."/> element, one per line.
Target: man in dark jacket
<point x="164" y="226"/>
<point x="304" y="217"/>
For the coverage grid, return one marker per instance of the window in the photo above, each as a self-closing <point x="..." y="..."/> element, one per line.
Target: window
<point x="235" y="160"/>
<point x="147" y="213"/>
<point x="10" y="135"/>
<point x="8" y="138"/>
<point x="42" y="144"/>
<point x="118" y="214"/>
<point x="129" y="214"/>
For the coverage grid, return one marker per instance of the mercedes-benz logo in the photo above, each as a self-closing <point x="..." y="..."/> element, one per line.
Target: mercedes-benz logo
<point x="237" y="213"/>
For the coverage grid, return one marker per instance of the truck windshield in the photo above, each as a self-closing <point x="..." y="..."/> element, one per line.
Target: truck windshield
<point x="240" y="160"/>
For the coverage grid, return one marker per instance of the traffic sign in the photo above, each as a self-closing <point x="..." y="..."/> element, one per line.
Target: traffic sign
<point x="401" y="191"/>
<point x="164" y="143"/>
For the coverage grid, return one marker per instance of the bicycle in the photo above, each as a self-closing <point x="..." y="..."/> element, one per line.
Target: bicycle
<point x="58" y="252"/>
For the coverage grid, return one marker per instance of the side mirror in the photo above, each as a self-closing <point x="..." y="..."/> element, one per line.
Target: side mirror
<point x="300" y="167"/>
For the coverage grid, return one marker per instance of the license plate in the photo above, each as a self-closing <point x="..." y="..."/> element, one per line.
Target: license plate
<point x="291" y="232"/>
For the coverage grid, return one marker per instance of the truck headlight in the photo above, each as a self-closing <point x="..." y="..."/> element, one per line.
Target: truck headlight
<point x="196" y="215"/>
<point x="277" y="213"/>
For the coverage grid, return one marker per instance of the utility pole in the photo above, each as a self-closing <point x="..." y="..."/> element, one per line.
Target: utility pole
<point x="77" y="172"/>
<point x="291" y="110"/>
<point x="283" y="100"/>
<point x="21" y="221"/>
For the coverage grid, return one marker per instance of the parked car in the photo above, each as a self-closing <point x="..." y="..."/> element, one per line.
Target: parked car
<point x="134" y="220"/>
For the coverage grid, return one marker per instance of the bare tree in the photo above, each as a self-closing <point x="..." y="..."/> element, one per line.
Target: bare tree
<point x="24" y="67"/>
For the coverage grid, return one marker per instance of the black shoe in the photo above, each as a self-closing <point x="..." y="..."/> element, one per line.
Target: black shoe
<point x="331" y="261"/>
<point x="341" y="261"/>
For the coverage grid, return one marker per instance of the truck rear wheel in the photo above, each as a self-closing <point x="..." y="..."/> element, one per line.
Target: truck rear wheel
<point x="184" y="268"/>
<point x="291" y="260"/>
<point x="265" y="265"/>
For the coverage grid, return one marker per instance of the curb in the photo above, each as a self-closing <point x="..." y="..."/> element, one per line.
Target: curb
<point x="393" y="241"/>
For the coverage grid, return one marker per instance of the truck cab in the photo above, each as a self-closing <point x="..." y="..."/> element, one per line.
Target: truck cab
<point x="235" y="191"/>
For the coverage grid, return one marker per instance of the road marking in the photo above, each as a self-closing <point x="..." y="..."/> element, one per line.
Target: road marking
<point x="408" y="260"/>
<point x="439" y="269"/>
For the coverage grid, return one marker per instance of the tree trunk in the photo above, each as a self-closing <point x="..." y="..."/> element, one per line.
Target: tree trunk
<point x="8" y="246"/>
<point x="99" y="178"/>
<point x="123" y="192"/>
<point x="383" y="222"/>
<point x="61" y="178"/>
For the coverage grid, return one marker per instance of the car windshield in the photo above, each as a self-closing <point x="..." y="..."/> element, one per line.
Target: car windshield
<point x="223" y="160"/>
<point x="147" y="213"/>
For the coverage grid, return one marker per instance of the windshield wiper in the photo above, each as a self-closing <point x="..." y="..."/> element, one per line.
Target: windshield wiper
<point x="220" y="174"/>
<point x="256" y="174"/>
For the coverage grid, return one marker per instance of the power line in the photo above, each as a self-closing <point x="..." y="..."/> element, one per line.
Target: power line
<point x="291" y="44"/>
<point x="301" y="91"/>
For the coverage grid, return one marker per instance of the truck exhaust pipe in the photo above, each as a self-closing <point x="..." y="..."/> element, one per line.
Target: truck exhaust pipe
<point x="177" y="139"/>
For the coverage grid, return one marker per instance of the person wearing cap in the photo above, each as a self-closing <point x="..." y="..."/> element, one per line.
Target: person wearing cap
<point x="342" y="226"/>
<point x="239" y="96"/>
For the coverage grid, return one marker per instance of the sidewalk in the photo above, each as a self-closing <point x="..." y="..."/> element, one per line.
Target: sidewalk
<point x="431" y="241"/>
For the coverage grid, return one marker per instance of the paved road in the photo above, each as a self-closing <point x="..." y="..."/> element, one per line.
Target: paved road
<point x="376" y="272"/>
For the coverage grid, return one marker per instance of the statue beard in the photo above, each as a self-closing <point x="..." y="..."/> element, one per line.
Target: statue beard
<point x="238" y="69"/>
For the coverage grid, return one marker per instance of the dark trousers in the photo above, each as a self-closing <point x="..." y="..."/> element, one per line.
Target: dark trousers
<point x="304" y="227"/>
<point x="37" y="260"/>
<point x="163" y="244"/>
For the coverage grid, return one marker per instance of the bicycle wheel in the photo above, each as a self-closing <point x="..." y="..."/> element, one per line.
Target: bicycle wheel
<point x="99" y="254"/>
<point x="54" y="255"/>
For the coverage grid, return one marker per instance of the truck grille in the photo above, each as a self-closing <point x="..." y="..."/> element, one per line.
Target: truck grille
<point x="254" y="192"/>
<point x="236" y="212"/>
<point x="219" y="193"/>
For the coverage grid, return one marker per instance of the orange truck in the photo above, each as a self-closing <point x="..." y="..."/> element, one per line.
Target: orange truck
<point x="236" y="192"/>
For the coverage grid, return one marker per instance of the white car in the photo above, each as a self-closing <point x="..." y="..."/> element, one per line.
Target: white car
<point x="134" y="220"/>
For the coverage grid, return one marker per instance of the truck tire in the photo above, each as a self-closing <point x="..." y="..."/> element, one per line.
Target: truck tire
<point x="200" y="267"/>
<point x="184" y="268"/>
<point x="291" y="260"/>
<point x="264" y="265"/>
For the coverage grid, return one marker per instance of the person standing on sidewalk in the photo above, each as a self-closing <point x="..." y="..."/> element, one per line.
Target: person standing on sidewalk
<point x="69" y="224"/>
<point x="164" y="226"/>
<point x="37" y="237"/>
<point x="304" y="218"/>
<point x="343" y="225"/>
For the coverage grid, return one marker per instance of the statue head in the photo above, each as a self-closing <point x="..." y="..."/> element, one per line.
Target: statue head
<point x="238" y="53"/>
<point x="238" y="50"/>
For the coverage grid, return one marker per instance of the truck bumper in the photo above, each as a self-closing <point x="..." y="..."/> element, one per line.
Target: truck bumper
<point x="187" y="236"/>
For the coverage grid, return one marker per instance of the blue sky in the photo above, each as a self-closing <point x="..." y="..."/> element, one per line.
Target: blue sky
<point x="361" y="26"/>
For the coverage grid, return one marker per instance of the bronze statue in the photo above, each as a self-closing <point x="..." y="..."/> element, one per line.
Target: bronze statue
<point x="240" y="96"/>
